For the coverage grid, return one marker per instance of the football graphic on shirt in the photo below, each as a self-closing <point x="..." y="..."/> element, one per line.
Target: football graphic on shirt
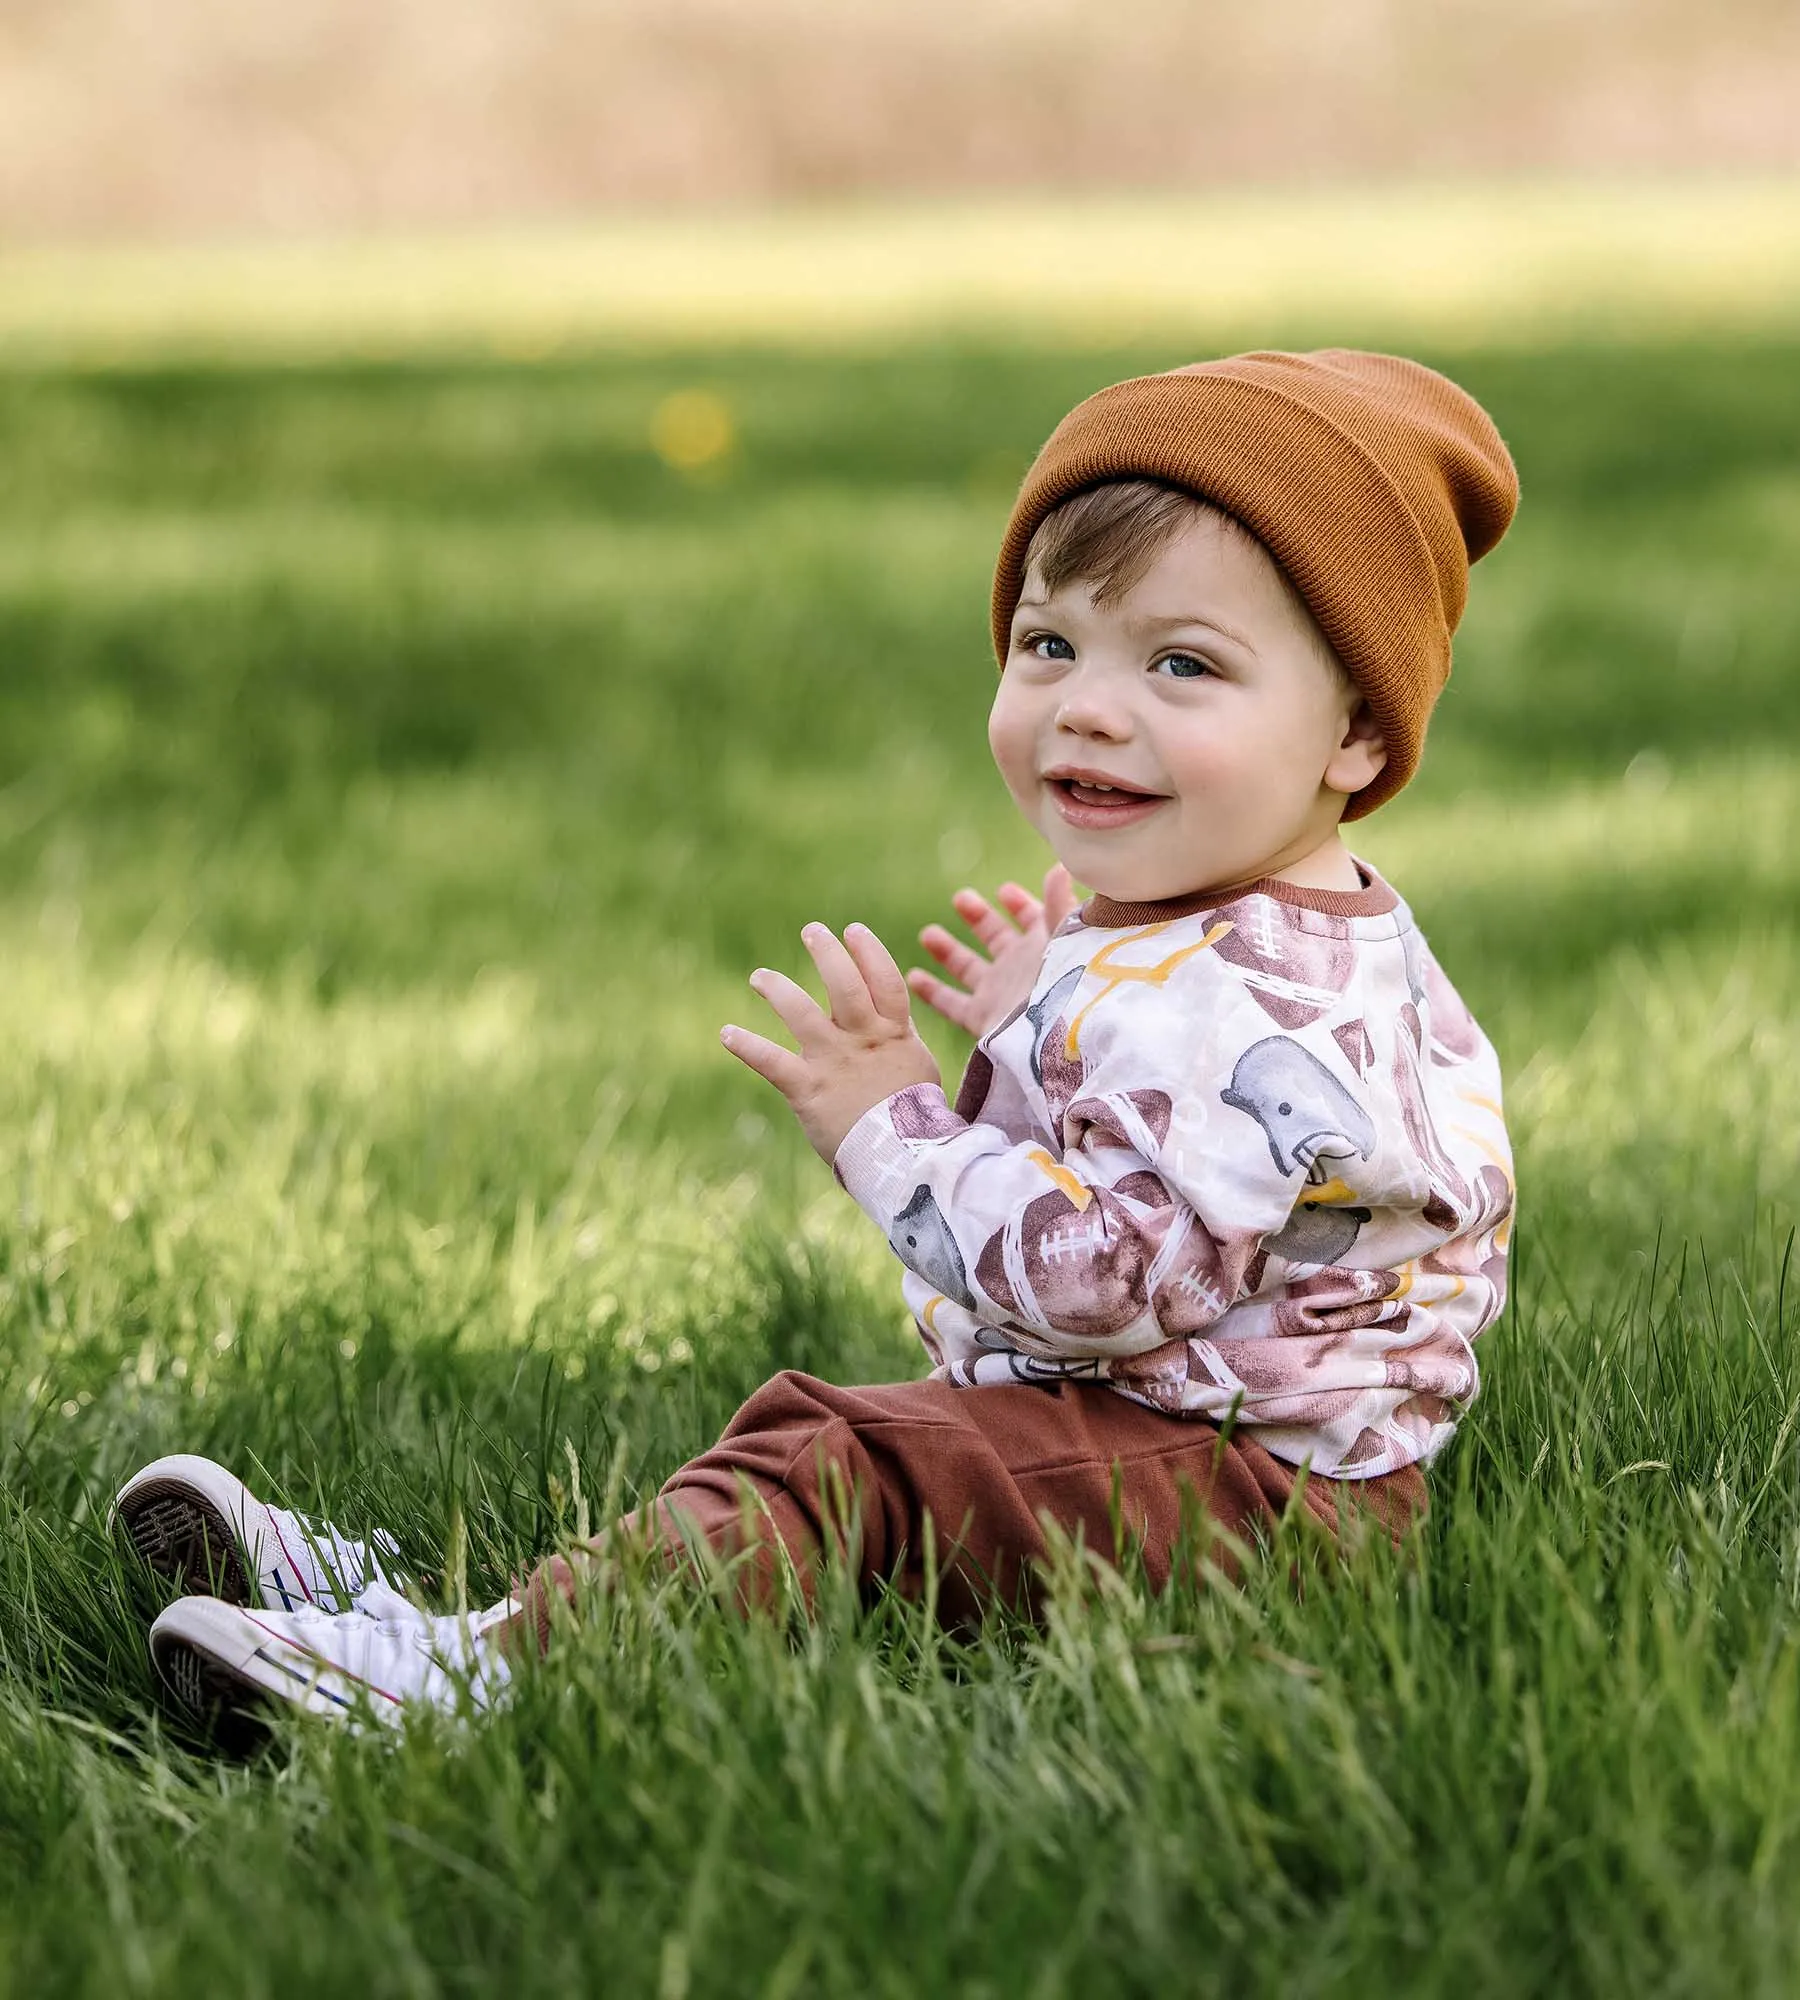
<point x="1438" y="1364"/>
<point x="918" y="1112"/>
<point x="1370" y="1446"/>
<point x="1422" y="1419"/>
<point x="1489" y="1232"/>
<point x="1189" y="1290"/>
<point x="1307" y="1116"/>
<point x="1497" y="1193"/>
<point x="1357" y="1043"/>
<point x="1044" y="1014"/>
<point x="921" y="1239"/>
<point x="1275" y="1389"/>
<point x="1060" y="1076"/>
<point x="1454" y="1036"/>
<point x="1079" y="1270"/>
<point x="1475" y="1253"/>
<point x="1448" y="1186"/>
<point x="1294" y="975"/>
<point x="1139" y="1119"/>
<point x="977" y="1081"/>
<point x="1158" y="1377"/>
<point x="1314" y="1320"/>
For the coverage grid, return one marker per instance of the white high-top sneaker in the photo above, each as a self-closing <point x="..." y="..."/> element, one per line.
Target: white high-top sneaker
<point x="231" y="1665"/>
<point x="202" y="1527"/>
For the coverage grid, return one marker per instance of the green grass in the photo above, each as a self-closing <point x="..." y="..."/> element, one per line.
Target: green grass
<point x="1511" y="262"/>
<point x="400" y="770"/>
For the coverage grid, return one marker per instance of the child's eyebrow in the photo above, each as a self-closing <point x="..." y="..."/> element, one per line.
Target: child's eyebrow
<point x="1173" y="622"/>
<point x="1181" y="620"/>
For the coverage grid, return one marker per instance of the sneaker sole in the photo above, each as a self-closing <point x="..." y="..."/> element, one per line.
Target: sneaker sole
<point x="182" y="1536"/>
<point x="234" y="1712"/>
<point x="233" y="1678"/>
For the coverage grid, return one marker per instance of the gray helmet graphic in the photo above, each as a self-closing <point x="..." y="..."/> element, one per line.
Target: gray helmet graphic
<point x="1317" y="1233"/>
<point x="1307" y="1116"/>
<point x="921" y="1239"/>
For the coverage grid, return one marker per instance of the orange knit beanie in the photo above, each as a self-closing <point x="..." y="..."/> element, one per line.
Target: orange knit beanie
<point x="1373" y="481"/>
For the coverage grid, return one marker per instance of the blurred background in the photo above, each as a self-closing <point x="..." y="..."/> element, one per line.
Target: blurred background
<point x="181" y="118"/>
<point x="185" y="176"/>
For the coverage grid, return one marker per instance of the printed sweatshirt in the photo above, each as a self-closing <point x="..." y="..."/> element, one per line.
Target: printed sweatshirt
<point x="1236" y="1160"/>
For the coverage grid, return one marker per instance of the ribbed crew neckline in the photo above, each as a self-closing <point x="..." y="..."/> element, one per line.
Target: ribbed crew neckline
<point x="1373" y="899"/>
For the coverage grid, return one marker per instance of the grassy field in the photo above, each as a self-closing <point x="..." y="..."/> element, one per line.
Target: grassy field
<point x="1509" y="262"/>
<point x="402" y="766"/>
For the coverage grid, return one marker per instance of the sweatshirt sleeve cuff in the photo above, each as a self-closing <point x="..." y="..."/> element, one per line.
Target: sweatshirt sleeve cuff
<point x="877" y="1164"/>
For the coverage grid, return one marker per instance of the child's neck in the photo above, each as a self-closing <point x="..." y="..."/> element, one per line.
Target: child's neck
<point x="1330" y="865"/>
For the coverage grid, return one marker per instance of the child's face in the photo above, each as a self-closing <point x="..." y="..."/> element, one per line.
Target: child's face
<point x="1206" y="687"/>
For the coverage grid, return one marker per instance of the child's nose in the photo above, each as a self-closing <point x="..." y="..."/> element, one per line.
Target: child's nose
<point x="1093" y="710"/>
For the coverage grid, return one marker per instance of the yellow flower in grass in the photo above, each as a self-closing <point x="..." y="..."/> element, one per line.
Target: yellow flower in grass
<point x="693" y="430"/>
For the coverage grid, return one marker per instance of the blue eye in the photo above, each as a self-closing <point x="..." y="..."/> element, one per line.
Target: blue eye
<point x="1185" y="666"/>
<point x="1042" y="639"/>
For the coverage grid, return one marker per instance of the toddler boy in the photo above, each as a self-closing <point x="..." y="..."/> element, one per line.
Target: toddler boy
<point x="1225" y="1195"/>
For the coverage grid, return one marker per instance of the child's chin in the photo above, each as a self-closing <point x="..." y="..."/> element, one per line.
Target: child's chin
<point x="1124" y="888"/>
<point x="1142" y="878"/>
<point x="1148" y="885"/>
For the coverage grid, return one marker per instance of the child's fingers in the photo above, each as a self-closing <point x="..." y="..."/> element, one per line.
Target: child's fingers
<point x="846" y="986"/>
<point x="951" y="953"/>
<point x="1023" y="905"/>
<point x="770" y="1060"/>
<point x="959" y="1009"/>
<point x="800" y="1013"/>
<point x="882" y="980"/>
<point x="988" y="924"/>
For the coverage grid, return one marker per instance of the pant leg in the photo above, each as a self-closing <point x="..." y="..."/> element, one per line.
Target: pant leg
<point x="974" y="1472"/>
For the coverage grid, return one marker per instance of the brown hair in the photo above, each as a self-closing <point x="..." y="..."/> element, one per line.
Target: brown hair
<point x="1108" y="537"/>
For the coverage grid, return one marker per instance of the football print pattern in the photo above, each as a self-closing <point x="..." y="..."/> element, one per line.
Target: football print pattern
<point x="1246" y="1161"/>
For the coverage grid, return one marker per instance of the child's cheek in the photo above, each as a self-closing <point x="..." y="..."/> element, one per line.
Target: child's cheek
<point x="1011" y="738"/>
<point x="1225" y="760"/>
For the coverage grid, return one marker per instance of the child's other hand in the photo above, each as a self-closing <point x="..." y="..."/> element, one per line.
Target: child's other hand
<point x="1003" y="980"/>
<point x="863" y="1051"/>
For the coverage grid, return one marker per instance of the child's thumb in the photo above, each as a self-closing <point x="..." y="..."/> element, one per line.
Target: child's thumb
<point x="1059" y="897"/>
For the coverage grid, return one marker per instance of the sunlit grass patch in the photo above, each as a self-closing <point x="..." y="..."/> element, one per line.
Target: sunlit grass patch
<point x="1513" y="261"/>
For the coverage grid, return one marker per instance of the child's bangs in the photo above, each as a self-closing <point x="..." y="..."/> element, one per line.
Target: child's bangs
<point x="1109" y="536"/>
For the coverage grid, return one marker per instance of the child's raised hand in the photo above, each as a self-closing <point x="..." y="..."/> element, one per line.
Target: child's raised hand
<point x="849" y="1060"/>
<point x="1002" y="981"/>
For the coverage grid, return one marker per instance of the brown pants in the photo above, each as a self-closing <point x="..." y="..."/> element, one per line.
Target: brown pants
<point x="976" y="1472"/>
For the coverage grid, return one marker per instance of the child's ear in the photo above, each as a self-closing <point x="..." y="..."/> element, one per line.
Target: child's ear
<point x="1361" y="753"/>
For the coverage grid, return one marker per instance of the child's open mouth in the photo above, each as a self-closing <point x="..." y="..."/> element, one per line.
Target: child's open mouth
<point x="1082" y="804"/>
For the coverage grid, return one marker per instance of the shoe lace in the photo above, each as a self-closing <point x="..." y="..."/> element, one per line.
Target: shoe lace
<point x="350" y="1564"/>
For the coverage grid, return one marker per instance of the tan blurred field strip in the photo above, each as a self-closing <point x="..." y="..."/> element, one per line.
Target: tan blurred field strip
<point x="1496" y="264"/>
